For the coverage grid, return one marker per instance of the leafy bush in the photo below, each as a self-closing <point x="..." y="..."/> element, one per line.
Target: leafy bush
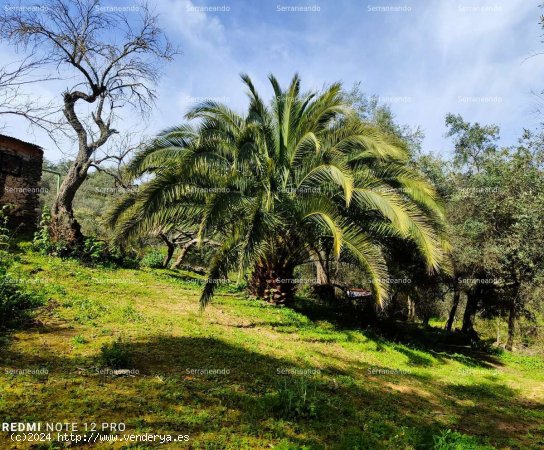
<point x="153" y="259"/>
<point x="93" y="251"/>
<point x="115" y="356"/>
<point x="235" y="288"/>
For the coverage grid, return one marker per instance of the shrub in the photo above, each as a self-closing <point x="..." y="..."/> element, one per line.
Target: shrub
<point x="93" y="250"/>
<point x="115" y="356"/>
<point x="153" y="259"/>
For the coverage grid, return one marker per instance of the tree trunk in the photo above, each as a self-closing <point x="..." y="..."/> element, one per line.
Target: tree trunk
<point x="323" y="288"/>
<point x="320" y="273"/>
<point x="454" y="306"/>
<point x="64" y="228"/>
<point x="470" y="312"/>
<point x="273" y="282"/>
<point x="170" y="250"/>
<point x="410" y="305"/>
<point x="184" y="250"/>
<point x="512" y="319"/>
<point x="498" y="341"/>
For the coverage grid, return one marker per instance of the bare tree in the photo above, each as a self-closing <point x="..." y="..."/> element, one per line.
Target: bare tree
<point x="113" y="60"/>
<point x="15" y="102"/>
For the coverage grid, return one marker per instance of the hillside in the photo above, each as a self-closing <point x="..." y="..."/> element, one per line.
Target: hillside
<point x="282" y="380"/>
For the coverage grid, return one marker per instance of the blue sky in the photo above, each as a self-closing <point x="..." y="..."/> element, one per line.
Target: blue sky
<point x="426" y="58"/>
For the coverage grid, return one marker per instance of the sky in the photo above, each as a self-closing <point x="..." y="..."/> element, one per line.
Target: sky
<point x="423" y="57"/>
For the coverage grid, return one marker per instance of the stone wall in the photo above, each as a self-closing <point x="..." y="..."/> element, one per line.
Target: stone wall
<point x="20" y="175"/>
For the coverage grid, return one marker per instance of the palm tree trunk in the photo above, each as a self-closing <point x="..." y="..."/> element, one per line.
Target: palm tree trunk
<point x="273" y="282"/>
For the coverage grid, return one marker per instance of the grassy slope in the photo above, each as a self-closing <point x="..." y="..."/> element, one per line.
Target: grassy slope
<point x="155" y="314"/>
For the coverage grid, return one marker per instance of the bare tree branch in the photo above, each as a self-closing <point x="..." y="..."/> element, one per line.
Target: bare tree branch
<point x="115" y="61"/>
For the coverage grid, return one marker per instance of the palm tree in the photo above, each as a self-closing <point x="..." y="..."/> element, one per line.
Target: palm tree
<point x="298" y="179"/>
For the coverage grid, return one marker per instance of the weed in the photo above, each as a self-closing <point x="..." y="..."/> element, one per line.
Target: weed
<point x="115" y="356"/>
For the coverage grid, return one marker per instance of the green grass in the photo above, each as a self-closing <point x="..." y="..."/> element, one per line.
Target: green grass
<point x="245" y="375"/>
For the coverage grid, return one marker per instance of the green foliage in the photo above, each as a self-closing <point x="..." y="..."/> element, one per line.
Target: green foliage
<point x="371" y="110"/>
<point x="345" y="407"/>
<point x="42" y="239"/>
<point x="115" y="355"/>
<point x="474" y="143"/>
<point x="87" y="310"/>
<point x="4" y="231"/>
<point x="153" y="259"/>
<point x="79" y="340"/>
<point x="93" y="251"/>
<point x="452" y="440"/>
<point x="129" y="314"/>
<point x="16" y="299"/>
<point x="297" y="398"/>
<point x="91" y="200"/>
<point x="302" y="175"/>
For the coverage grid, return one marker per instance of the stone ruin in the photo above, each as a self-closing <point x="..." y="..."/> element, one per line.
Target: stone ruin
<point x="20" y="175"/>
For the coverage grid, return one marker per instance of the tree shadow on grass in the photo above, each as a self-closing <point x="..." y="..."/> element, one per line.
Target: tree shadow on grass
<point x="227" y="396"/>
<point x="442" y="345"/>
